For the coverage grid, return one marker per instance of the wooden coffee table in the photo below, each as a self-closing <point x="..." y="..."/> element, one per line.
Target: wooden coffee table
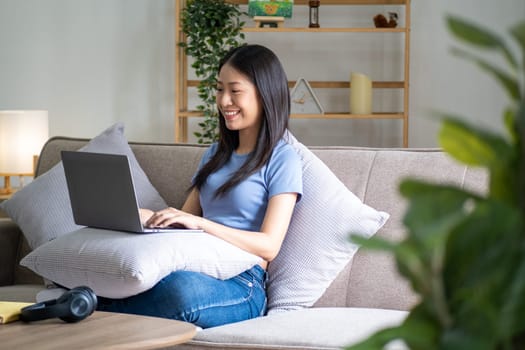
<point x="101" y="330"/>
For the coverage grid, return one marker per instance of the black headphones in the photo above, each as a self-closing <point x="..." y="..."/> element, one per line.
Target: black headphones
<point x="72" y="306"/>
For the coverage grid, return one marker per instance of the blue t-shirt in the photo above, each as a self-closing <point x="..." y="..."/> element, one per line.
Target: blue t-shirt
<point x="243" y="206"/>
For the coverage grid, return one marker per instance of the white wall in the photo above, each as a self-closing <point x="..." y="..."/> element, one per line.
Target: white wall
<point x="90" y="63"/>
<point x="440" y="81"/>
<point x="93" y="62"/>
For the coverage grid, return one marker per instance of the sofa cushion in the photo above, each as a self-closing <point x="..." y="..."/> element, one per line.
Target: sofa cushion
<point x="42" y="208"/>
<point x="119" y="264"/>
<point x="314" y="328"/>
<point x="317" y="247"/>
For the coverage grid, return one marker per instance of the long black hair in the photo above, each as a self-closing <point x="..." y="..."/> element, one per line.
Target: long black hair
<point x="262" y="67"/>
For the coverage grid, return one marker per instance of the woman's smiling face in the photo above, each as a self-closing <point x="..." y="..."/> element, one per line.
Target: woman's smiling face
<point x="238" y="100"/>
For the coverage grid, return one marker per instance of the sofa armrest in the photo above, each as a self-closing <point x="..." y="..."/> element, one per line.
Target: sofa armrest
<point x="10" y="238"/>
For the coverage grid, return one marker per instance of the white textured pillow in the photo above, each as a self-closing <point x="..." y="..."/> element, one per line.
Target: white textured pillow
<point x="42" y="209"/>
<point x="317" y="247"/>
<point x="118" y="264"/>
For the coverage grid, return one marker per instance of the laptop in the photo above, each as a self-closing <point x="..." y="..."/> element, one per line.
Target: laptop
<point x="102" y="193"/>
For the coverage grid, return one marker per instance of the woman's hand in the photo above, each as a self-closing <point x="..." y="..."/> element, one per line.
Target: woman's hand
<point x="174" y="217"/>
<point x="145" y="214"/>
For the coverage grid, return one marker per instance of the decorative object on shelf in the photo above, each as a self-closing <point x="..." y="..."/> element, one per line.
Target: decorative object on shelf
<point x="380" y="20"/>
<point x="314" y="13"/>
<point x="360" y="94"/>
<point x="22" y="135"/>
<point x="279" y="8"/>
<point x="304" y="100"/>
<point x="212" y="27"/>
<point x="270" y="21"/>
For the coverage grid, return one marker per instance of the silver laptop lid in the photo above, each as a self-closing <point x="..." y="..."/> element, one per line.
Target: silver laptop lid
<point x="101" y="190"/>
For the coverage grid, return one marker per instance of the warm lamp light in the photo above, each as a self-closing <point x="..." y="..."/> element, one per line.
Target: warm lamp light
<point x="22" y="135"/>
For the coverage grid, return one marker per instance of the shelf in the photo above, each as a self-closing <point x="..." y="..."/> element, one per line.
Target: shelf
<point x="392" y="115"/>
<point x="322" y="30"/>
<point x="333" y="84"/>
<point x="349" y="116"/>
<point x="182" y="113"/>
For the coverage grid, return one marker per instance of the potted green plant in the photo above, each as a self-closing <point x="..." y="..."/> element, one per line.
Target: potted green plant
<point x="212" y="27"/>
<point x="464" y="253"/>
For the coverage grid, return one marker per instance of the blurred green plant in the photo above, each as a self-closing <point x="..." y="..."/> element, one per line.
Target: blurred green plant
<point x="464" y="253"/>
<point x="212" y="28"/>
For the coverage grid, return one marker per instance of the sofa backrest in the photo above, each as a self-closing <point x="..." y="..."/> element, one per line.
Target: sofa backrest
<point x="371" y="279"/>
<point x="374" y="175"/>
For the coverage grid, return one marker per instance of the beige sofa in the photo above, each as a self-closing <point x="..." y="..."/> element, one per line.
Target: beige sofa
<point x="367" y="295"/>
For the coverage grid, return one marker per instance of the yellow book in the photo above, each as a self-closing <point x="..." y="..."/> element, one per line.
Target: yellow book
<point x="10" y="310"/>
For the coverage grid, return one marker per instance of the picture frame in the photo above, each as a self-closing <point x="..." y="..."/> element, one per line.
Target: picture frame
<point x="276" y="8"/>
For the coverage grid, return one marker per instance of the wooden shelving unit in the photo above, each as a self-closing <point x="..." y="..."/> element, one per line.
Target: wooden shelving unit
<point x="182" y="83"/>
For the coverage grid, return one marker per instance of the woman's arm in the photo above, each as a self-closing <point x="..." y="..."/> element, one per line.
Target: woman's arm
<point x="192" y="205"/>
<point x="265" y="243"/>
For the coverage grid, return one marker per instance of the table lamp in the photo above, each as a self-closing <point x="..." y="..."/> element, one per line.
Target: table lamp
<point x="22" y="135"/>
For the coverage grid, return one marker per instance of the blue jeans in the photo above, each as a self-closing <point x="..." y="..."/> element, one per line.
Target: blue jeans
<point x="197" y="298"/>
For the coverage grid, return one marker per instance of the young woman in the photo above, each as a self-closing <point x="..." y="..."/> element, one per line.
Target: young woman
<point x="244" y="192"/>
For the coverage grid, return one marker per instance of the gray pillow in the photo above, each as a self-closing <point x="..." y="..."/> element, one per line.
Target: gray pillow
<point x="42" y="209"/>
<point x="316" y="247"/>
<point x="118" y="264"/>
